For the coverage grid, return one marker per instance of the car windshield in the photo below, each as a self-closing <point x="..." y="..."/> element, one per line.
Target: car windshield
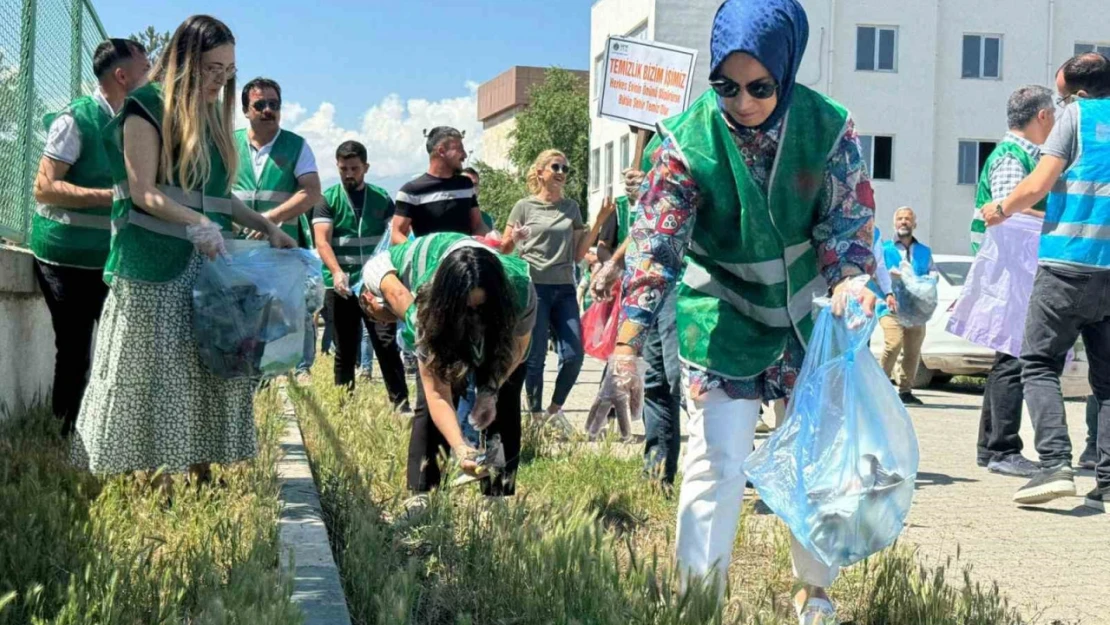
<point x="955" y="272"/>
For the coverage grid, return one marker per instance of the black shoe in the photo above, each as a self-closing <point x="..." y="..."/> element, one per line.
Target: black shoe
<point x="982" y="462"/>
<point x="1051" y="483"/>
<point x="1096" y="499"/>
<point x="909" y="399"/>
<point x="403" y="408"/>
<point x="1089" y="458"/>
<point x="1014" y="465"/>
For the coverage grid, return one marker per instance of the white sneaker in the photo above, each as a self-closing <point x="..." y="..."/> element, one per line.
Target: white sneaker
<point x="816" y="611"/>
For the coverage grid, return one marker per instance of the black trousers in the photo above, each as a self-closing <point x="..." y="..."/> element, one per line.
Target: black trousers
<point x="347" y="323"/>
<point x="75" y="298"/>
<point x="426" y="442"/>
<point x="1000" y="420"/>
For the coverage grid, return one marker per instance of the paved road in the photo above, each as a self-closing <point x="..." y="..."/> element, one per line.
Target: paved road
<point x="1052" y="561"/>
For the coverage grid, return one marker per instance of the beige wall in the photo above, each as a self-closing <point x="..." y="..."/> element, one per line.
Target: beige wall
<point x="26" y="336"/>
<point x="496" y="143"/>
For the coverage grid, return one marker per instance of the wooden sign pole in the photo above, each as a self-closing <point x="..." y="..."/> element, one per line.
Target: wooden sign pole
<point x="643" y="137"/>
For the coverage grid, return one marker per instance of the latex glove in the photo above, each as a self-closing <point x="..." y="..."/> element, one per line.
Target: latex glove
<point x="622" y="390"/>
<point x="468" y="460"/>
<point x="521" y="234"/>
<point x="601" y="285"/>
<point x="633" y="178"/>
<point x="207" y="238"/>
<point x="854" y="288"/>
<point x="341" y="284"/>
<point x="892" y="303"/>
<point x="494" y="235"/>
<point x="484" y="411"/>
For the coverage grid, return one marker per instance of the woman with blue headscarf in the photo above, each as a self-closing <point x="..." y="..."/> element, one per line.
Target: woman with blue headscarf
<point x="758" y="198"/>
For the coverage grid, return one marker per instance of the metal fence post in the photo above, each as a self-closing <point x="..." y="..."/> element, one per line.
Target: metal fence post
<point x="27" y="93"/>
<point x="76" y="11"/>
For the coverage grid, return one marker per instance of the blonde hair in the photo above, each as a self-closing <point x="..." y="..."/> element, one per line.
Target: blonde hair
<point x="540" y="164"/>
<point x="189" y="122"/>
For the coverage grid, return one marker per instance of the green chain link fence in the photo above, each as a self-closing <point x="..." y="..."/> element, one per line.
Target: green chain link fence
<point x="46" y="49"/>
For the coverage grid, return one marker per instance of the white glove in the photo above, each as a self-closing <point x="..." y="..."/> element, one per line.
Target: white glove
<point x="342" y="284"/>
<point x="633" y="178"/>
<point x="521" y="234"/>
<point x="623" y="391"/>
<point x="494" y="235"/>
<point x="601" y="286"/>
<point x="207" y="238"/>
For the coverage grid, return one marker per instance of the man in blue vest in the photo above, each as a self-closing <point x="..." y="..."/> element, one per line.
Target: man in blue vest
<point x="900" y="339"/>
<point x="1071" y="292"/>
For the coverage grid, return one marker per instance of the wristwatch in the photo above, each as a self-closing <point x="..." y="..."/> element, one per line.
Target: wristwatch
<point x="998" y="210"/>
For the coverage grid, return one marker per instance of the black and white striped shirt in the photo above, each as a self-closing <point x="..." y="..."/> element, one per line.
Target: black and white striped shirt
<point x="437" y="204"/>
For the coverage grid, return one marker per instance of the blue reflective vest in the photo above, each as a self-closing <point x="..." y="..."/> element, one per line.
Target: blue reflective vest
<point x="922" y="257"/>
<point x="1077" y="219"/>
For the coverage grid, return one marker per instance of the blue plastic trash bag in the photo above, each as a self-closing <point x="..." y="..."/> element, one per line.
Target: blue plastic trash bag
<point x="916" y="296"/>
<point x="249" y="310"/>
<point x="840" y="471"/>
<point x="314" y="281"/>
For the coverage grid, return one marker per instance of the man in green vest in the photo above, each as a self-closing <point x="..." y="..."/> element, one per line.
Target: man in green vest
<point x="71" y="226"/>
<point x="277" y="177"/>
<point x="347" y="226"/>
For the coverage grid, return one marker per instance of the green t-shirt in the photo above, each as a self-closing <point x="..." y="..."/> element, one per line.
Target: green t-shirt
<point x="549" y="251"/>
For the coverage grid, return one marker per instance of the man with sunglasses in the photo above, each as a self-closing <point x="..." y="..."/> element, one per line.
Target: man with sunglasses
<point x="277" y="177"/>
<point x="1071" y="291"/>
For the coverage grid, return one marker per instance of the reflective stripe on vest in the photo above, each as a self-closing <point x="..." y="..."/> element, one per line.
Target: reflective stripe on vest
<point x="73" y="217"/>
<point x="195" y="200"/>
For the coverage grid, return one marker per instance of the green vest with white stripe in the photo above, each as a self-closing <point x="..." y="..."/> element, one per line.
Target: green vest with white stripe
<point x="416" y="263"/>
<point x="277" y="182"/>
<point x="71" y="237"/>
<point x="751" y="267"/>
<point x="144" y="247"/>
<point x="353" y="239"/>
<point x="983" y="194"/>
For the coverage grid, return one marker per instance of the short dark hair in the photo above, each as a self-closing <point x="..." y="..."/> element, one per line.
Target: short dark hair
<point x="471" y="171"/>
<point x="259" y="83"/>
<point x="1088" y="72"/>
<point x="112" y="52"/>
<point x="350" y="149"/>
<point x="439" y="134"/>
<point x="1025" y="103"/>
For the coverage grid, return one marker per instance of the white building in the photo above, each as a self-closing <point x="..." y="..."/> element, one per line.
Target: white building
<point x="926" y="81"/>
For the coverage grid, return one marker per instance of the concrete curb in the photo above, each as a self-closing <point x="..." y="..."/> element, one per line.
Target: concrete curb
<point x="317" y="587"/>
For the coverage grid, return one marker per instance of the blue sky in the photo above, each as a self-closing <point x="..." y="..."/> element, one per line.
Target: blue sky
<point x="379" y="71"/>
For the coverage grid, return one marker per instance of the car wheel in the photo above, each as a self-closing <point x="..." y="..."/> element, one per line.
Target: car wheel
<point x="940" y="379"/>
<point x="924" y="377"/>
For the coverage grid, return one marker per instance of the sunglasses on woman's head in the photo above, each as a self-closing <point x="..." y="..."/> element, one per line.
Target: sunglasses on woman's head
<point x="758" y="89"/>
<point x="559" y="168"/>
<point x="260" y="105"/>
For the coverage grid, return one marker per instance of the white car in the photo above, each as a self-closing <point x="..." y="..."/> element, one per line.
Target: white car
<point x="944" y="355"/>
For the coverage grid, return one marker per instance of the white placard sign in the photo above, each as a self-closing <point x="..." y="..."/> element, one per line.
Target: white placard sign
<point x="645" y="81"/>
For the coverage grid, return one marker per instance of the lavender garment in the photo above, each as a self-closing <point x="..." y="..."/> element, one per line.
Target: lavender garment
<point x="991" y="309"/>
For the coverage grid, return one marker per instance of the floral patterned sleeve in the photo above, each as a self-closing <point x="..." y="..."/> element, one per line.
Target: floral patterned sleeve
<point x="660" y="232"/>
<point x="843" y="233"/>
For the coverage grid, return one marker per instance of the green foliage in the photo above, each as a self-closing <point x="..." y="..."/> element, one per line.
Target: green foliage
<point x="558" y="117"/>
<point x="153" y="41"/>
<point x="498" y="192"/>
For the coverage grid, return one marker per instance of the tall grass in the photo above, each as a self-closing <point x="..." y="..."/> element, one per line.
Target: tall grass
<point x="586" y="540"/>
<point x="75" y="549"/>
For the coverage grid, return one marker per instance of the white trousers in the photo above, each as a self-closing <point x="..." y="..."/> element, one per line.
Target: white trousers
<point x="721" y="432"/>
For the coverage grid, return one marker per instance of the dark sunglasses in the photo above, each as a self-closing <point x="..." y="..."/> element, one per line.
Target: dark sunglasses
<point x="560" y="169"/>
<point x="758" y="89"/>
<point x="260" y="105"/>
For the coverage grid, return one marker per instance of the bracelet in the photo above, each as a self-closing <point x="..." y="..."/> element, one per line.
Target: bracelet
<point x="1000" y="211"/>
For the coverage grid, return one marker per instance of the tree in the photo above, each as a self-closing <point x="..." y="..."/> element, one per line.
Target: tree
<point x="499" y="190"/>
<point x="153" y="41"/>
<point x="558" y="117"/>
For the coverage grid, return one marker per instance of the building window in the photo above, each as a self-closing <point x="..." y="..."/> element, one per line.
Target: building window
<point x="609" y="169"/>
<point x="1101" y="48"/>
<point x="878" y="154"/>
<point x="599" y="74"/>
<point x="876" y="48"/>
<point x="640" y="32"/>
<point x="982" y="56"/>
<point x="973" y="156"/>
<point x="595" y="168"/>
<point x="626" y="156"/>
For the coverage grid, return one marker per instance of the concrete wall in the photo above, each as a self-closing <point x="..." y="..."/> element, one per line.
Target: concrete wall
<point x="26" y="336"/>
<point x="496" y="142"/>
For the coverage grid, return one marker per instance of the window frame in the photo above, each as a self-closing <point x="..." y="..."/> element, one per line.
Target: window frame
<point x="626" y="152"/>
<point x="978" y="158"/>
<point x="639" y="32"/>
<point x="599" y="74"/>
<point x="868" y="154"/>
<point x="595" y="169"/>
<point x="1103" y="47"/>
<point x="983" y="37"/>
<point x="878" y="28"/>
<point x="607" y="161"/>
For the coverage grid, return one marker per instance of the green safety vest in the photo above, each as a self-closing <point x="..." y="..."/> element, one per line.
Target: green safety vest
<point x="984" y="196"/>
<point x="751" y="270"/>
<point x="353" y="240"/>
<point x="416" y="263"/>
<point x="71" y="237"/>
<point x="144" y="247"/>
<point x="277" y="183"/>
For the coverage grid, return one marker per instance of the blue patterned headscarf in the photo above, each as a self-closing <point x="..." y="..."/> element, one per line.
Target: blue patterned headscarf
<point x="774" y="32"/>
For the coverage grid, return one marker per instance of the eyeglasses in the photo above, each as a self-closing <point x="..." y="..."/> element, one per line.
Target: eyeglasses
<point x="220" y="73"/>
<point x="1063" y="101"/>
<point x="758" y="89"/>
<point x="559" y="168"/>
<point x="261" y="105"/>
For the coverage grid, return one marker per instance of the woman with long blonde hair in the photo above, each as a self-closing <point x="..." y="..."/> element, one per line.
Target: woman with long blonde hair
<point x="551" y="236"/>
<point x="151" y="404"/>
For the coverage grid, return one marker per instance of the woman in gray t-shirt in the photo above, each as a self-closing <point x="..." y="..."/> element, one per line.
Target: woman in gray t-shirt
<point x="548" y="232"/>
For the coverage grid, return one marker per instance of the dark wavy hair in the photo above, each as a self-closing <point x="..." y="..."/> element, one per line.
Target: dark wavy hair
<point x="459" y="339"/>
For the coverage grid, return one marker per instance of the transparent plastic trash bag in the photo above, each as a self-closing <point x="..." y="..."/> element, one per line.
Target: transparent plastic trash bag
<point x="916" y="296"/>
<point x="840" y="470"/>
<point x="249" y="310"/>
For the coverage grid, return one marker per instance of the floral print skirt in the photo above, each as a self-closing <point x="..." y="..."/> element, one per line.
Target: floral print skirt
<point x="151" y="403"/>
